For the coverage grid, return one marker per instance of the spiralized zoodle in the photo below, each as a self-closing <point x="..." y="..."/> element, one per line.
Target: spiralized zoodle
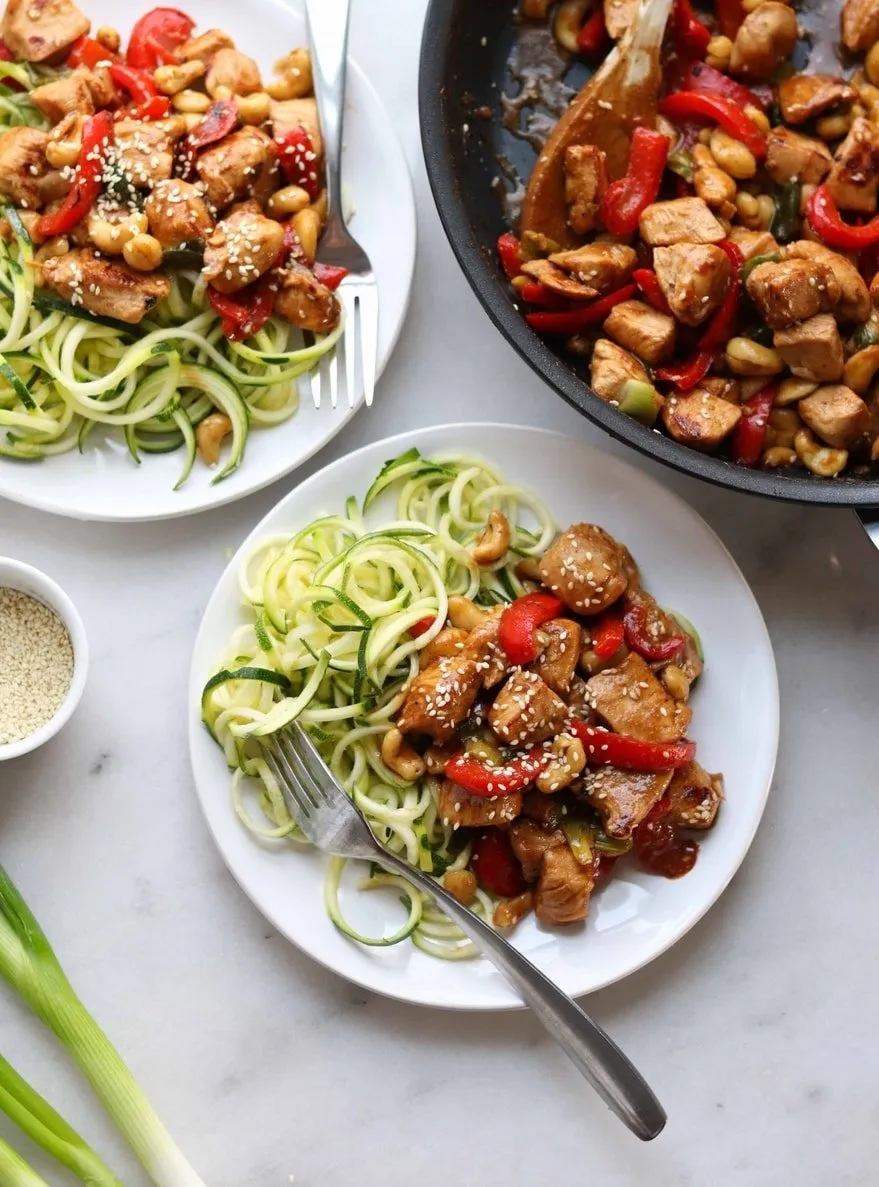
<point x="331" y="610"/>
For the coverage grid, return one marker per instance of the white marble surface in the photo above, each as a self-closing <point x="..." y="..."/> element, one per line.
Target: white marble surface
<point x="756" y="1030"/>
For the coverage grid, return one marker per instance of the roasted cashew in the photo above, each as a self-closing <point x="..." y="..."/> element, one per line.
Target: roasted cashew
<point x="563" y="769"/>
<point x="820" y="459"/>
<point x="461" y="884"/>
<point x="399" y="757"/>
<point x="860" y="369"/>
<point x="494" y="541"/>
<point x="465" y="614"/>
<point x="209" y="436"/>
<point x="675" y="680"/>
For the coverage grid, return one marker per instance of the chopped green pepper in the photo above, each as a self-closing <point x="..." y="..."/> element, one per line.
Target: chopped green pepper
<point x="769" y="258"/>
<point x="641" y="401"/>
<point x="786" y="222"/>
<point x="865" y="335"/>
<point x="681" y="163"/>
<point x="484" y="750"/>
<point x="534" y="245"/>
<point x="614" y="846"/>
<point x="186" y="255"/>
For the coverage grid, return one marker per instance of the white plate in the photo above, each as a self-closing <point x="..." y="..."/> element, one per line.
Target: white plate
<point x="104" y="483"/>
<point x="637" y="916"/>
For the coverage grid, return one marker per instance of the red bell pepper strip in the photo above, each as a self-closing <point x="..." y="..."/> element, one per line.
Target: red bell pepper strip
<point x="749" y="437"/>
<point x="593" y="34"/>
<point x="730" y="15"/>
<point x="97" y="133"/>
<point x="156" y="35"/>
<point x="138" y="83"/>
<point x="578" y="319"/>
<point x="220" y="119"/>
<point x="691" y="36"/>
<point x="329" y="275"/>
<point x="510" y="251"/>
<point x="646" y="280"/>
<point x="417" y="629"/>
<point x="247" y="312"/>
<point x="639" y="638"/>
<point x="723" y="112"/>
<point x="619" y="750"/>
<point x="495" y="865"/>
<point x="705" y="80"/>
<point x="720" y="328"/>
<point x="626" y="199"/>
<point x="85" y="51"/>
<point x="478" y="778"/>
<point x="155" y="108"/>
<point x="521" y="619"/>
<point x="538" y="294"/>
<point x="687" y="374"/>
<point x="607" y="635"/>
<point x="827" y="223"/>
<point x="299" y="161"/>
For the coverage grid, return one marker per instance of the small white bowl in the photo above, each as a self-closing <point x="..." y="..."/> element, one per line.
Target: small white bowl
<point x="28" y="580"/>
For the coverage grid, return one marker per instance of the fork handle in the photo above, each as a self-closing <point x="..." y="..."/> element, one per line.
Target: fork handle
<point x="327" y="22"/>
<point x="620" y="1085"/>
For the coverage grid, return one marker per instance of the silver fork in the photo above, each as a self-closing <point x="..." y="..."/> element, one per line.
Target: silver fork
<point x="358" y="293"/>
<point x="333" y="823"/>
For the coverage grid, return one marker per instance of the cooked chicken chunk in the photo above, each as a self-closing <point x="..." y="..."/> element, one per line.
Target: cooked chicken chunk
<point x="289" y="114"/>
<point x="235" y="70"/>
<point x="618" y="15"/>
<point x="510" y="910"/>
<point x="177" y="213"/>
<point x="530" y="842"/>
<point x="645" y="331"/>
<point x="304" y="302"/>
<point x="682" y="220"/>
<point x="753" y="243"/>
<point x="243" y="165"/>
<point x="694" y="277"/>
<point x="765" y="38"/>
<point x="557" y="662"/>
<point x="108" y="288"/>
<point x="563" y="888"/>
<point x="632" y="701"/>
<point x="584" y="566"/>
<point x="482" y="645"/>
<point x="585" y="184"/>
<point x="802" y="97"/>
<point x="558" y="281"/>
<point x="792" y="290"/>
<point x="605" y="267"/>
<point x="699" y="418"/>
<point x="457" y="806"/>
<point x="812" y="348"/>
<point x="694" y="796"/>
<point x="205" y="47"/>
<point x="37" y="30"/>
<point x="793" y="157"/>
<point x="71" y="94"/>
<point x="241" y="249"/>
<point x="854" y="178"/>
<point x="22" y="164"/>
<point x="146" y="150"/>
<point x="860" y="24"/>
<point x="623" y="798"/>
<point x="611" y="367"/>
<point x="440" y="698"/>
<point x="526" y="711"/>
<point x="837" y="415"/>
<point x="854" y="298"/>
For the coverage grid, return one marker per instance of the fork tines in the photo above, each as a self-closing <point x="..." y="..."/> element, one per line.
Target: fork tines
<point x="358" y="296"/>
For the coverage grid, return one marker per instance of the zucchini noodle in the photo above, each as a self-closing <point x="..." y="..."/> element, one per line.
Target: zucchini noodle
<point x="64" y="370"/>
<point x="328" y="643"/>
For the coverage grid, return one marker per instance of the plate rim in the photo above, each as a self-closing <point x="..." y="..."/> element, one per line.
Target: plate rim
<point x="196" y="727"/>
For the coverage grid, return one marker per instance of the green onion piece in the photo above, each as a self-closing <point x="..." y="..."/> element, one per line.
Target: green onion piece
<point x="681" y="162"/>
<point x="579" y="835"/>
<point x="30" y="966"/>
<point x="641" y="401"/>
<point x="535" y="245"/>
<point x="15" y="1172"/>
<point x="613" y="846"/>
<point x="768" y="258"/>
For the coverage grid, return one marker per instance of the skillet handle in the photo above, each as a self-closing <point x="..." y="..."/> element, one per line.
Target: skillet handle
<point x="869" y="518"/>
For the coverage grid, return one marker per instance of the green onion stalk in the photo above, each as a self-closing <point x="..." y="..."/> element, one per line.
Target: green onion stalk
<point x="15" y="1172"/>
<point x="30" y="966"/>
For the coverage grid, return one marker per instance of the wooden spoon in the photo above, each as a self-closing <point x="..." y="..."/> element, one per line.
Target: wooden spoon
<point x="622" y="94"/>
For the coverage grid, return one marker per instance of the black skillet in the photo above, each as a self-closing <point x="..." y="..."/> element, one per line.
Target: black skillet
<point x="464" y="72"/>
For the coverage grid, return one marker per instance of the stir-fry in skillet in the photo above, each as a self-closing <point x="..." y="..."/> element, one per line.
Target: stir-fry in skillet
<point x="721" y="274"/>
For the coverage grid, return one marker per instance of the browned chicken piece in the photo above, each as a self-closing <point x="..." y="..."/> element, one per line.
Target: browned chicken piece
<point x="243" y="165"/>
<point x="509" y="911"/>
<point x="243" y="247"/>
<point x="71" y="94"/>
<point x="812" y="348"/>
<point x="585" y="185"/>
<point x="447" y="644"/>
<point x="482" y="646"/>
<point x="638" y="327"/>
<point x="793" y="157"/>
<point x="623" y="798"/>
<point x="146" y="150"/>
<point x="605" y="267"/>
<point x="22" y="164"/>
<point x="694" y="796"/>
<point x="699" y="418"/>
<point x="526" y="711"/>
<point x="54" y="185"/>
<point x="102" y="87"/>
<point x="584" y="566"/>
<point x="440" y="698"/>
<point x="461" y="884"/>
<point x="458" y="807"/>
<point x="854" y="298"/>
<point x="753" y="243"/>
<point x="802" y="97"/>
<point x="618" y="15"/>
<point x="766" y="37"/>
<point x="860" y="24"/>
<point x="530" y="842"/>
<point x="722" y="386"/>
<point x="205" y="47"/>
<point x="38" y="30"/>
<point x="837" y="415"/>
<point x="632" y="701"/>
<point x="557" y="662"/>
<point x="682" y="220"/>
<point x="558" y="281"/>
<point x="546" y="810"/>
<point x="177" y="213"/>
<point x="106" y="287"/>
<point x="854" y="179"/>
<point x="235" y="70"/>
<point x="304" y="302"/>
<point x="792" y="290"/>
<point x="694" y="277"/>
<point x="611" y="367"/>
<point x="288" y="114"/>
<point x="563" y="888"/>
